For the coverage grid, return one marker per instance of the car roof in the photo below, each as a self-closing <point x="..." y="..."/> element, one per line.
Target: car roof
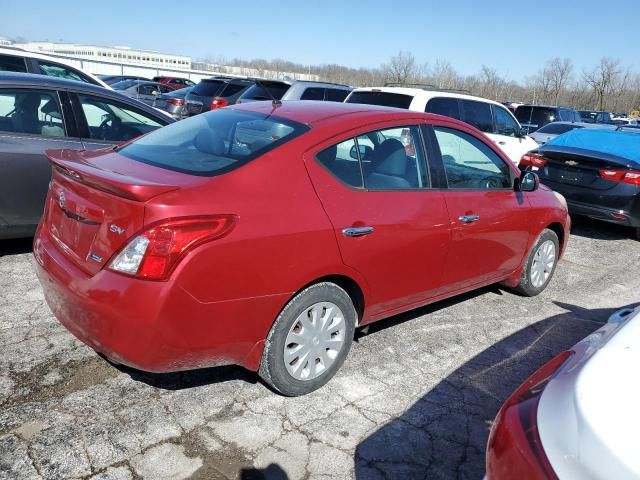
<point x="545" y="106"/>
<point x="309" y="112"/>
<point x="425" y="94"/>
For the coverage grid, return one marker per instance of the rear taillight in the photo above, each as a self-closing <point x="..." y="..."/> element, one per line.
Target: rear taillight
<point x="532" y="160"/>
<point x="624" y="176"/>
<point x="514" y="449"/>
<point x="175" y="101"/>
<point x="154" y="253"/>
<point x="218" y="102"/>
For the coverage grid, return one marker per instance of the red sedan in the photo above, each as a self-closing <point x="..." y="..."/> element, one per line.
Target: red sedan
<point x="263" y="234"/>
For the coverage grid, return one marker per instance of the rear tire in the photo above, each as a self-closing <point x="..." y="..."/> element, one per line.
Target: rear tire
<point x="540" y="265"/>
<point x="309" y="340"/>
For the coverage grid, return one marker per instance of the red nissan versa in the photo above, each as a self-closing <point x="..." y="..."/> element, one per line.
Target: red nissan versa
<point x="263" y="234"/>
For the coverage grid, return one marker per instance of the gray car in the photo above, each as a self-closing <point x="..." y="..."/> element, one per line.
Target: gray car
<point x="38" y="113"/>
<point x="173" y="103"/>
<point x="552" y="130"/>
<point x="142" y="90"/>
<point x="295" y="90"/>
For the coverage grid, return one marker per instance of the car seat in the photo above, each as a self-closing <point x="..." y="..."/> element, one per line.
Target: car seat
<point x="25" y="118"/>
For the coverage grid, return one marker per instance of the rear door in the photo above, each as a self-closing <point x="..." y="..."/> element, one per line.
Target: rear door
<point x="390" y="225"/>
<point x="488" y="218"/>
<point x="104" y="122"/>
<point x="31" y="121"/>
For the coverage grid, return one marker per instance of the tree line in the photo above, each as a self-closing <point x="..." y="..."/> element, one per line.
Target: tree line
<point x="606" y="86"/>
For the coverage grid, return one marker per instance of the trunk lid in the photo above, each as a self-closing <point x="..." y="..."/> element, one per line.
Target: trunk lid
<point x="580" y="168"/>
<point x="96" y="202"/>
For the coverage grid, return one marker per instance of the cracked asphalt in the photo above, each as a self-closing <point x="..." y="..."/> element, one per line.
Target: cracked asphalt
<point x="415" y="398"/>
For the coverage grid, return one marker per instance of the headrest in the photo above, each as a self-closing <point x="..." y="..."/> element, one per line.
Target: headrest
<point x="391" y="157"/>
<point x="208" y="142"/>
<point x="27" y="101"/>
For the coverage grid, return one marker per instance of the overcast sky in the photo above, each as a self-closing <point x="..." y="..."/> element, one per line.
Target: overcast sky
<point x="515" y="37"/>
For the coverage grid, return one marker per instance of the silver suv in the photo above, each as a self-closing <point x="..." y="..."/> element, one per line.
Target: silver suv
<point x="295" y="90"/>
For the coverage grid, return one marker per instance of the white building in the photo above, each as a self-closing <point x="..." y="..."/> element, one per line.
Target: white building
<point x="124" y="55"/>
<point x="5" y="41"/>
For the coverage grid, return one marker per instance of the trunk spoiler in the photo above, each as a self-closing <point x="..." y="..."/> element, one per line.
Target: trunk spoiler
<point x="73" y="164"/>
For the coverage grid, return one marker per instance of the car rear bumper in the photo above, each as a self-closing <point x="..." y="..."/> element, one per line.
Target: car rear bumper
<point x="151" y="326"/>
<point x="620" y="216"/>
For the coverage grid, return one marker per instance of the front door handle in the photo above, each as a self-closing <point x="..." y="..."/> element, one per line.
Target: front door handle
<point x="357" y="231"/>
<point x="469" y="218"/>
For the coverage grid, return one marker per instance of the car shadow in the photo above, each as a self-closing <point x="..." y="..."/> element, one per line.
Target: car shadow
<point x="16" y="246"/>
<point x="599" y="230"/>
<point x="444" y="434"/>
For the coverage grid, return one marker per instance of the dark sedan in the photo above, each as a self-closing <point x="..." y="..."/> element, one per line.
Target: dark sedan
<point x="597" y="171"/>
<point x="38" y="113"/>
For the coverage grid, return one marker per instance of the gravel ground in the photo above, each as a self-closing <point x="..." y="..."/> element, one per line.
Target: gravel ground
<point x="415" y="398"/>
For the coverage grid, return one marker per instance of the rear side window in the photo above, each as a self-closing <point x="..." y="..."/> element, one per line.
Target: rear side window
<point x="212" y="144"/>
<point x="232" y="89"/>
<point x="386" y="99"/>
<point x="313" y="94"/>
<point x="478" y="114"/>
<point x="342" y="161"/>
<point x="9" y="63"/>
<point x="31" y="111"/>
<point x="208" y="88"/>
<point x="266" y="91"/>
<point x="336" y="94"/>
<point x="449" y="107"/>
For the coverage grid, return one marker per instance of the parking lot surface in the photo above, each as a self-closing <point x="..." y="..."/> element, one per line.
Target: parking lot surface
<point x="415" y="398"/>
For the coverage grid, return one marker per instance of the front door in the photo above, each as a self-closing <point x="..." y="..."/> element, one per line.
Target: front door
<point x="31" y="122"/>
<point x="389" y="224"/>
<point x="488" y="218"/>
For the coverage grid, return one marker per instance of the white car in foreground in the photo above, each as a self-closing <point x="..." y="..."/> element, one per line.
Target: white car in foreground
<point x="577" y="417"/>
<point x="491" y="118"/>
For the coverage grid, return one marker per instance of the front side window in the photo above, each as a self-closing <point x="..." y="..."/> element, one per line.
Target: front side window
<point x="478" y="114"/>
<point x="505" y="123"/>
<point x="469" y="163"/>
<point x="212" y="144"/>
<point x="60" y="71"/>
<point x="113" y="121"/>
<point x="31" y="111"/>
<point x="389" y="159"/>
<point x="449" y="107"/>
<point x="11" y="63"/>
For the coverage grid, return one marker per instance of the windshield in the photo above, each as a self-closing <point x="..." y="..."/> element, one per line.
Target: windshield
<point x="212" y="143"/>
<point x="386" y="99"/>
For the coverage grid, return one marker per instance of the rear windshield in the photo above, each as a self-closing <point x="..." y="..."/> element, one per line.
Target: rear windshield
<point x="558" y="128"/>
<point x="258" y="92"/>
<point x="212" y="143"/>
<point x="542" y="116"/>
<point x="386" y="99"/>
<point x="124" y="84"/>
<point x="523" y="114"/>
<point x="208" y="88"/>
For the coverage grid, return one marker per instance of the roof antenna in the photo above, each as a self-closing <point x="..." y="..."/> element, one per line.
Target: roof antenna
<point x="274" y="101"/>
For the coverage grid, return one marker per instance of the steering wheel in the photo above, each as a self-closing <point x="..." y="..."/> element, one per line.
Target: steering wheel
<point x="109" y="126"/>
<point x="492" y="183"/>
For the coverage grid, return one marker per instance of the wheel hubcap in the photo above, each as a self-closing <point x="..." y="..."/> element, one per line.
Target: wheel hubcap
<point x="543" y="261"/>
<point x="314" y="341"/>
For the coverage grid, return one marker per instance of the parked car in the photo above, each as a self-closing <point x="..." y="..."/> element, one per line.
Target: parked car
<point x="598" y="171"/>
<point x="491" y="118"/>
<point x="23" y="61"/>
<point x="38" y="113"/>
<point x="588" y="116"/>
<point x="111" y="79"/>
<point x="141" y="90"/>
<point x="605" y="118"/>
<point x="295" y="90"/>
<point x="576" y="417"/>
<point x="260" y="235"/>
<point x="629" y="128"/>
<point x="215" y="92"/>
<point x="174" y="103"/>
<point x="553" y="129"/>
<point x="533" y="117"/>
<point x="175" y="83"/>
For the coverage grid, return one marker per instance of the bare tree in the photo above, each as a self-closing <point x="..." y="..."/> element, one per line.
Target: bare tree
<point x="602" y="79"/>
<point x="401" y="67"/>
<point x="559" y="73"/>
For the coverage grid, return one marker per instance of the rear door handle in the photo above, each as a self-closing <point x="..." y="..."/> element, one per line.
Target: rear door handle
<point x="357" y="231"/>
<point x="469" y="218"/>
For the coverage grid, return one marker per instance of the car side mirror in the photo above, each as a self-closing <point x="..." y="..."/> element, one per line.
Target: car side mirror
<point x="353" y="153"/>
<point x="528" y="182"/>
<point x="523" y="132"/>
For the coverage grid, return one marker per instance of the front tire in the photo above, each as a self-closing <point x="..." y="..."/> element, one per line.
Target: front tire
<point x="309" y="340"/>
<point x="540" y="265"/>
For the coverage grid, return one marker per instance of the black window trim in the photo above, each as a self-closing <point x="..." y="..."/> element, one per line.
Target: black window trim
<point x="446" y="187"/>
<point x="363" y="188"/>
<point x="56" y="94"/>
